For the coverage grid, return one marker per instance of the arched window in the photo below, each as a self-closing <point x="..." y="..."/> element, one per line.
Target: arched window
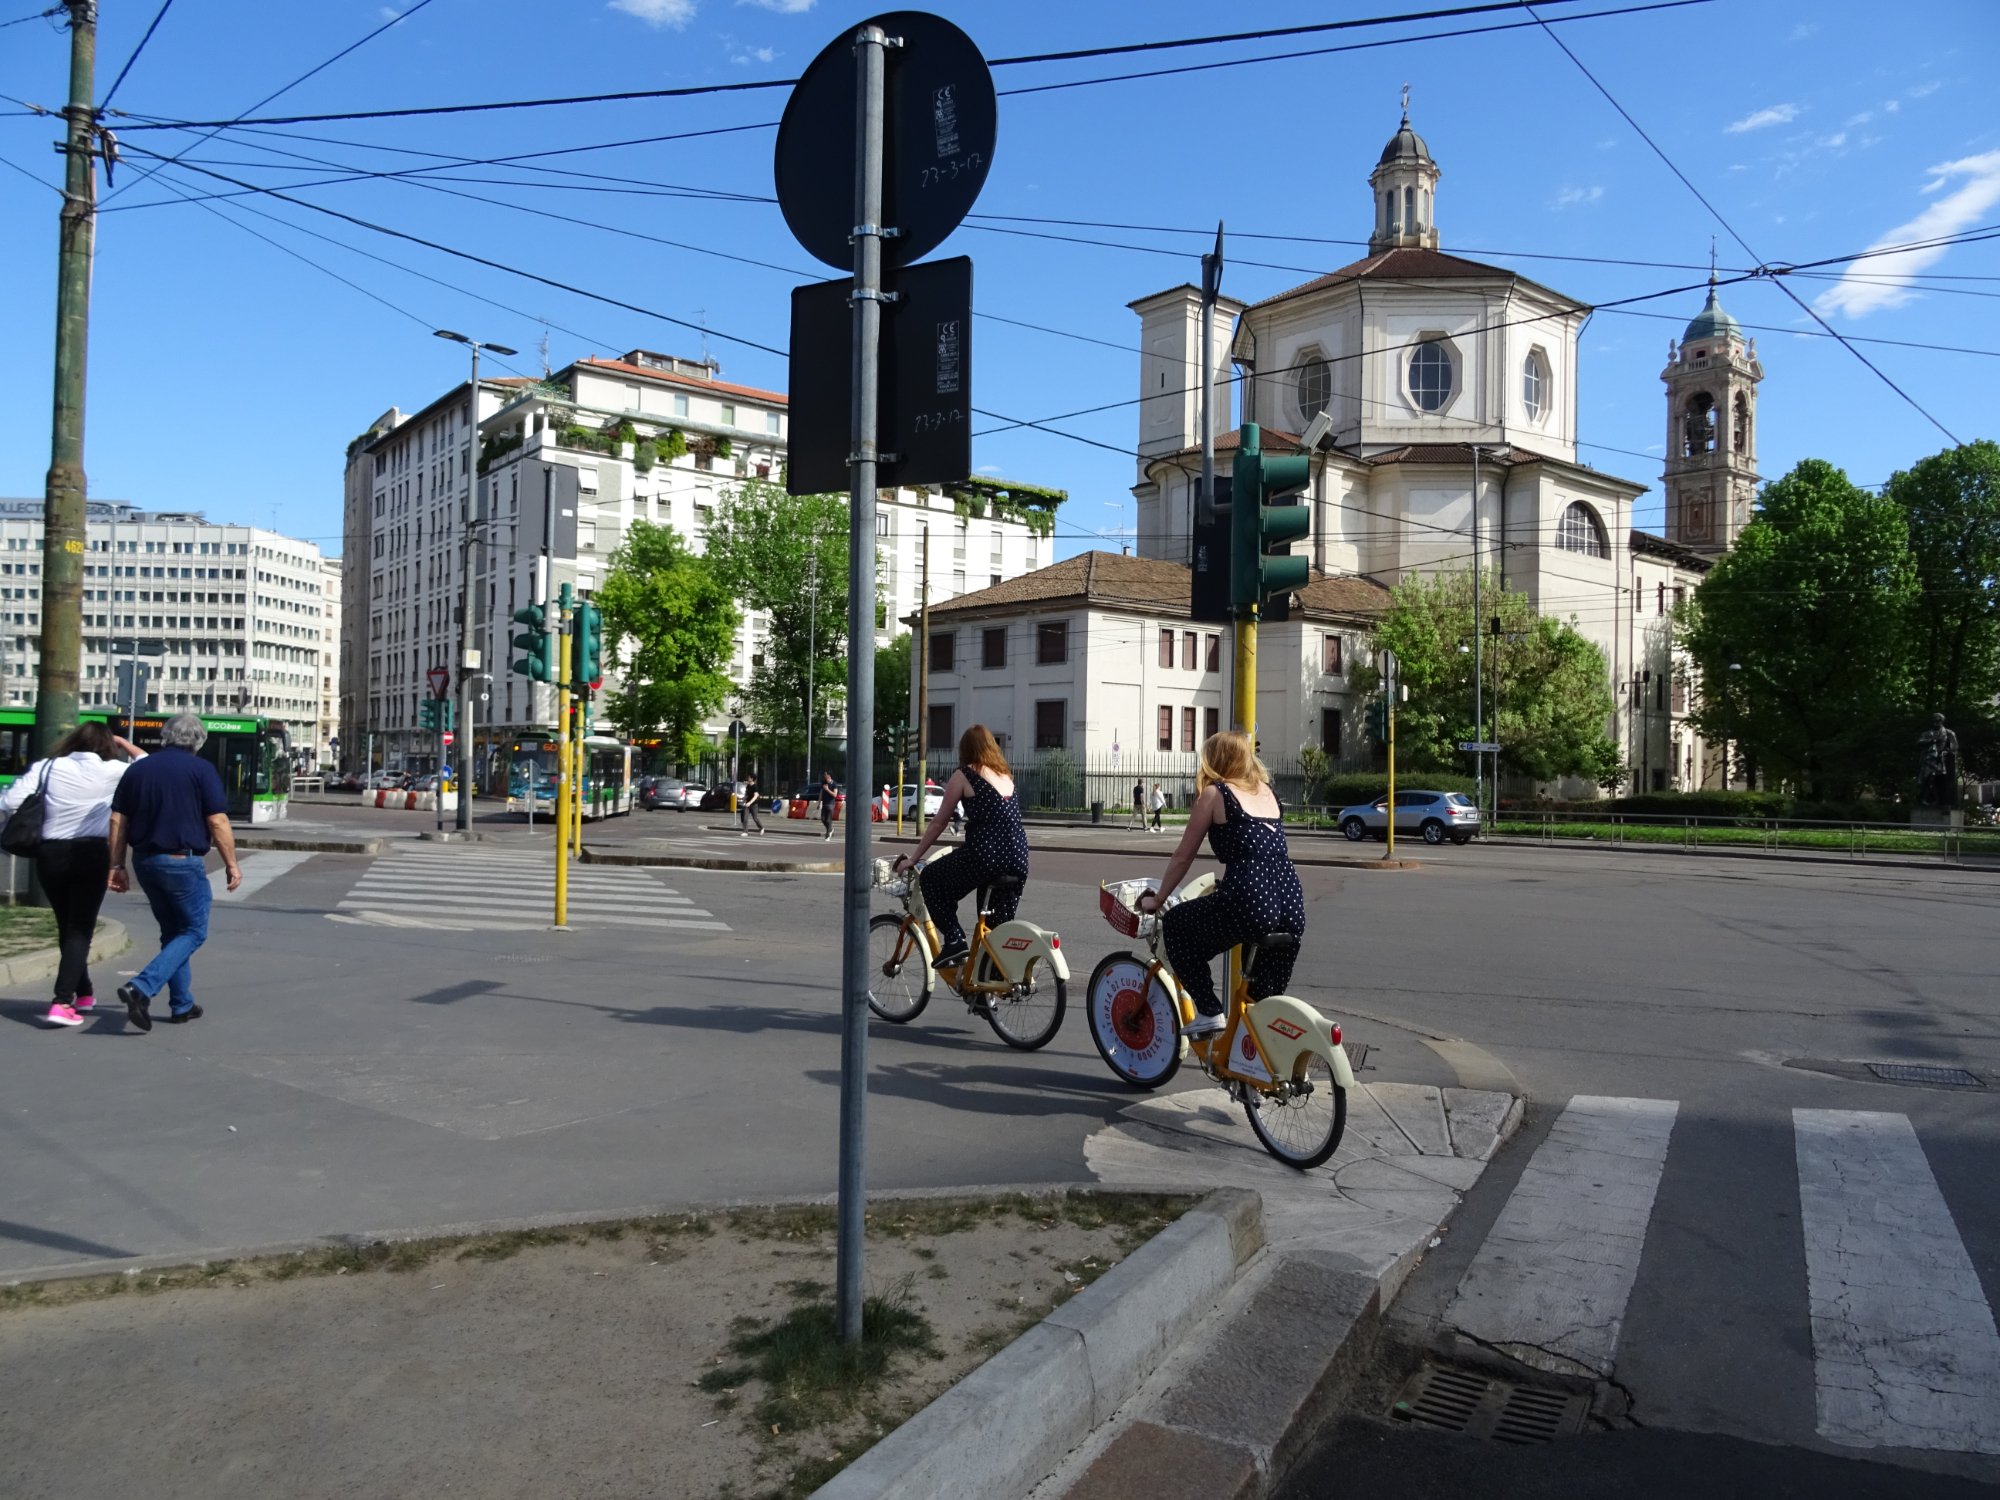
<point x="1581" y="531"/>
<point x="1535" y="385"/>
<point x="1430" y="375"/>
<point x="1409" y="210"/>
<point x="1739" y="437"/>
<point x="1698" y="426"/>
<point x="1315" y="386"/>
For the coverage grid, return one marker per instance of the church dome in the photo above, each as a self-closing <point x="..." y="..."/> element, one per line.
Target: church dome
<point x="1404" y="146"/>
<point x="1712" y="322"/>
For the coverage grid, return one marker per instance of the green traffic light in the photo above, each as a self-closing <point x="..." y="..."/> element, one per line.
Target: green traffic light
<point x="1259" y="529"/>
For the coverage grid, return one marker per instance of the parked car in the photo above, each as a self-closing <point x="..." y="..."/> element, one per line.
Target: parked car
<point x="716" y="798"/>
<point x="933" y="800"/>
<point x="1433" y="816"/>
<point x="387" y="781"/>
<point x="656" y="792"/>
<point x="349" y="781"/>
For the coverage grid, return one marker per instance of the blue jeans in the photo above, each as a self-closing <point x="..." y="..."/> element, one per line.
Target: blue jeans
<point x="179" y="893"/>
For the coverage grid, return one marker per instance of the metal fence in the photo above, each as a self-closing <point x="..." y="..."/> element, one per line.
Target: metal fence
<point x="1855" y="839"/>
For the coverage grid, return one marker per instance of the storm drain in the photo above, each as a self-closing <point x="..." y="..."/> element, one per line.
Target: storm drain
<point x="524" y="958"/>
<point x="1925" y="1073"/>
<point x="1485" y="1406"/>
<point x="1357" y="1054"/>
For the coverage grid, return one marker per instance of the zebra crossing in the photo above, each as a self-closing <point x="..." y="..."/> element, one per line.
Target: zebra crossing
<point x="499" y="889"/>
<point x="1905" y="1352"/>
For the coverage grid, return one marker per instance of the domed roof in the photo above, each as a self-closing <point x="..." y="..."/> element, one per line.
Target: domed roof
<point x="1712" y="321"/>
<point x="1404" y="145"/>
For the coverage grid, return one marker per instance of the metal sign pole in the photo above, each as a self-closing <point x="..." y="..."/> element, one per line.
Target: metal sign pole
<point x="870" y="46"/>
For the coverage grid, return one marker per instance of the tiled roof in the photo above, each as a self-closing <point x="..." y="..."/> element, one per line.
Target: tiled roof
<point x="1112" y="578"/>
<point x="692" y="382"/>
<point x="1650" y="545"/>
<point x="1405" y="264"/>
<point x="1270" y="440"/>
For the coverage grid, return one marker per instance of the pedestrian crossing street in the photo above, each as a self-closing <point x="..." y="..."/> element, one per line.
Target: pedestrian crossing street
<point x="500" y="889"/>
<point x="1905" y="1352"/>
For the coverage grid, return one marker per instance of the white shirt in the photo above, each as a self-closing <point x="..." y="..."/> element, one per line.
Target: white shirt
<point x="77" y="802"/>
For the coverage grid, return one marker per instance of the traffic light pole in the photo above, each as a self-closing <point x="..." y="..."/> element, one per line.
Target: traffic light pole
<point x="564" y="765"/>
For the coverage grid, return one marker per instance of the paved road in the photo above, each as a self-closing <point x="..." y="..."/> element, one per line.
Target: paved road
<point x="459" y="1062"/>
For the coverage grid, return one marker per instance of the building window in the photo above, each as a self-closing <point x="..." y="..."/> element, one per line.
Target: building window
<point x="771" y="422"/>
<point x="938" y="730"/>
<point x="1166" y="648"/>
<point x="1214" y="652"/>
<point x="1430" y="375"/>
<point x="993" y="647"/>
<point x="1329" y="731"/>
<point x="728" y="416"/>
<point x="1051" y="720"/>
<point x="1315" y="387"/>
<point x="1329" y="655"/>
<point x="1052" y="642"/>
<point x="680" y="406"/>
<point x="1187" y="728"/>
<point x="1166" y="736"/>
<point x="1211" y="724"/>
<point x="1187" y="651"/>
<point x="1535" y="385"/>
<point x="943" y="656"/>
<point x="1580" y="531"/>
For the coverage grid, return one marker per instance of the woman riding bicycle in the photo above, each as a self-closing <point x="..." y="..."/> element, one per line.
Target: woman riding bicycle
<point x="1259" y="893"/>
<point x="995" y="842"/>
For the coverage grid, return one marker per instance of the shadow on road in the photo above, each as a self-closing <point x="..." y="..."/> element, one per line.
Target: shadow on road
<point x="988" y="1088"/>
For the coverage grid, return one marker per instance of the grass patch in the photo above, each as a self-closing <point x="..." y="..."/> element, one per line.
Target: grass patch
<point x="23" y="929"/>
<point x="811" y="1375"/>
<point x="1852" y="841"/>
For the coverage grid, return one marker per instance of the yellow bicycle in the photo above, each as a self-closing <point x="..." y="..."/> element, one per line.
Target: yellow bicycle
<point x="1015" y="975"/>
<point x="1277" y="1057"/>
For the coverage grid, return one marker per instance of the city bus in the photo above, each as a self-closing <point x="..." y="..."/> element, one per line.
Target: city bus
<point x="607" y="776"/>
<point x="253" y="754"/>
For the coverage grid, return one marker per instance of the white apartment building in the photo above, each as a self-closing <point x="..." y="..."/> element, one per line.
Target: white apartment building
<point x="557" y="466"/>
<point x="326" y="732"/>
<point x="238" y="612"/>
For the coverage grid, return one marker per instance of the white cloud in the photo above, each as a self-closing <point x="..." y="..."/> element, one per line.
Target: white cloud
<point x="1924" y="90"/>
<point x="1570" y="197"/>
<point x="1884" y="280"/>
<point x="1803" y="30"/>
<point x="755" y="54"/>
<point x="1861" y="119"/>
<point x="1835" y="141"/>
<point x="782" y="7"/>
<point x="390" y="13"/>
<point x="674" y="13"/>
<point x="1777" y="114"/>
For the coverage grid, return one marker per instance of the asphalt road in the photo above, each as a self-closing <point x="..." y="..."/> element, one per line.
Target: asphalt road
<point x="393" y="1047"/>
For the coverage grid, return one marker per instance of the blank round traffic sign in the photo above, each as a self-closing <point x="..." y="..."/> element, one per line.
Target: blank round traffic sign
<point x="939" y="119"/>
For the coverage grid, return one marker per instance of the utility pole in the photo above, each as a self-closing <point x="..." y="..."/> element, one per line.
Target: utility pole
<point x="812" y="643"/>
<point x="61" y="668"/>
<point x="923" y="679"/>
<point x="1478" y="659"/>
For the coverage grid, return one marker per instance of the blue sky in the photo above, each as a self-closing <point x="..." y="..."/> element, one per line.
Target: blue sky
<point x="228" y="376"/>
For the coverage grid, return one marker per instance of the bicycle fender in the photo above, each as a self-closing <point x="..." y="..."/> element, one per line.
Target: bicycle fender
<point x="1016" y="943"/>
<point x="1287" y="1027"/>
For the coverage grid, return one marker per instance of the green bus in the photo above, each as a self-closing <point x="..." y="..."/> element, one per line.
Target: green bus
<point x="253" y="754"/>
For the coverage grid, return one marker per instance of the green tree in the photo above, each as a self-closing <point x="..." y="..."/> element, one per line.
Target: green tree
<point x="1545" y="684"/>
<point x="787" y="554"/>
<point x="1951" y="502"/>
<point x="1799" y="635"/>
<point x="892" y="685"/>
<point x="670" y="622"/>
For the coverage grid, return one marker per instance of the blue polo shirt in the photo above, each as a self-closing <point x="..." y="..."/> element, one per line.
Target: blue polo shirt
<point x="166" y="801"/>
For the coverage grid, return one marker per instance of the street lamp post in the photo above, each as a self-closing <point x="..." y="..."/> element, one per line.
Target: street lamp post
<point x="467" y="661"/>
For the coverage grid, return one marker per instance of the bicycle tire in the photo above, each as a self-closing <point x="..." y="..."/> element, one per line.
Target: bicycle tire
<point x="912" y="977"/>
<point x="1293" y="1132"/>
<point x="1141" y="1023"/>
<point x="1024" y="1023"/>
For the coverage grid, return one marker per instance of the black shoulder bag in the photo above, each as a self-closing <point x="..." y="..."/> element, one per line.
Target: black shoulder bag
<point x="23" y="834"/>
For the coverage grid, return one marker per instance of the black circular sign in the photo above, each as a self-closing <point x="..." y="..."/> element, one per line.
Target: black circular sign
<point x="938" y="127"/>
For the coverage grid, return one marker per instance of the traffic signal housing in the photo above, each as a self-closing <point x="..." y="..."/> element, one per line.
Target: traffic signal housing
<point x="588" y="646"/>
<point x="539" y="646"/>
<point x="437" y="713"/>
<point x="1378" y="721"/>
<point x="1262" y="528"/>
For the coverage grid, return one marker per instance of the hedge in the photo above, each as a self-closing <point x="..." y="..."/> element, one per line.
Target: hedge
<point x="1365" y="786"/>
<point x="1718" y="806"/>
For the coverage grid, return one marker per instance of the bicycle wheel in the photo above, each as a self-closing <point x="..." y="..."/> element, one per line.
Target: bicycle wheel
<point x="1301" y="1124"/>
<point x="899" y="969"/>
<point x="1136" y="1025"/>
<point x="1027" y="1015"/>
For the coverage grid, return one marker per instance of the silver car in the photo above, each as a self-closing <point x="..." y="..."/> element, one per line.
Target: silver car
<point x="1433" y="816"/>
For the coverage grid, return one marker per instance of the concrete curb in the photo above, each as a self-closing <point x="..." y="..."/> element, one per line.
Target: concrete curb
<point x="713" y="862"/>
<point x="996" y="1433"/>
<point x="280" y="843"/>
<point x="24" y="968"/>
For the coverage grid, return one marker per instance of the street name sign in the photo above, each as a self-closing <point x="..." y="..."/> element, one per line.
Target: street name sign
<point x="1479" y="747"/>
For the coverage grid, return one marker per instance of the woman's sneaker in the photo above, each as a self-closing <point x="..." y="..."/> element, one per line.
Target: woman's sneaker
<point x="1201" y="1026"/>
<point x="85" y="1002"/>
<point x="952" y="958"/>
<point x="64" y="1015"/>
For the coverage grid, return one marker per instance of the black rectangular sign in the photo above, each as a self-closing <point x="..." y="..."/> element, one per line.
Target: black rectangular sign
<point x="924" y="419"/>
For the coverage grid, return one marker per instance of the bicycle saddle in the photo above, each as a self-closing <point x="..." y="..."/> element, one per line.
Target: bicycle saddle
<point x="1276" y="944"/>
<point x="997" y="884"/>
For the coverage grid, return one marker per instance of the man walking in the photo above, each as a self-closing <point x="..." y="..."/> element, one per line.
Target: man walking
<point x="167" y="810"/>
<point x="829" y="803"/>
<point x="1138" y="804"/>
<point x="746" y="807"/>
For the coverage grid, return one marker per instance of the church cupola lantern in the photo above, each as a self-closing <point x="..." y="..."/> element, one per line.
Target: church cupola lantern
<point x="1404" y="184"/>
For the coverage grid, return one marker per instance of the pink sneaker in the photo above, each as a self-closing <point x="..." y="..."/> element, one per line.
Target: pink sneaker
<point x="85" y="1002"/>
<point x="64" y="1015"/>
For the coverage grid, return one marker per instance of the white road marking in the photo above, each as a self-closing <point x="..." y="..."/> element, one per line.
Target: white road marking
<point x="1551" y="1281"/>
<point x="1905" y="1351"/>
<point x="497" y="889"/>
<point x="260" y="868"/>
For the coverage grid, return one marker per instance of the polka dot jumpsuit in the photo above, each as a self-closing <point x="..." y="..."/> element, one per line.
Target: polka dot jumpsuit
<point x="995" y="844"/>
<point x="1259" y="893"/>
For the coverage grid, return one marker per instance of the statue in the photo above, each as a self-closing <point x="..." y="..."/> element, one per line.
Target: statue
<point x="1937" y="768"/>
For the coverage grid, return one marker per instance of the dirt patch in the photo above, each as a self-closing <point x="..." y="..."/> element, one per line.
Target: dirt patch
<point x="678" y="1356"/>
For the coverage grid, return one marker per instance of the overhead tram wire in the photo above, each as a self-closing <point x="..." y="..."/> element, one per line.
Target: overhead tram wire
<point x="40" y="15"/>
<point x="158" y="16"/>
<point x="1716" y="214"/>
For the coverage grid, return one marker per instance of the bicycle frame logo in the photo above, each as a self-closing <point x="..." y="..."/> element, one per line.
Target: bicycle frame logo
<point x="1287" y="1029"/>
<point x="1014" y="944"/>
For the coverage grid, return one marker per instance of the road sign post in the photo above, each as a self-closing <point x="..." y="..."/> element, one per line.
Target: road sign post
<point x="924" y="112"/>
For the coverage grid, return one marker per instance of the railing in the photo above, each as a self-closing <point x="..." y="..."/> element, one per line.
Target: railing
<point x="1854" y="839"/>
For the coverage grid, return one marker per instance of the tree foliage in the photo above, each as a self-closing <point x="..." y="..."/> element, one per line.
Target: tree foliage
<point x="787" y="554"/>
<point x="1548" y="684"/>
<point x="670" y="624"/>
<point x="892" y="685"/>
<point x="1800" y="636"/>
<point x="1951" y="502"/>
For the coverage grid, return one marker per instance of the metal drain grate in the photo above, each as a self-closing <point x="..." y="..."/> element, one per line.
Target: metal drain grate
<point x="1925" y="1073"/>
<point x="1357" y="1054"/>
<point x="523" y="958"/>
<point x="1487" y="1407"/>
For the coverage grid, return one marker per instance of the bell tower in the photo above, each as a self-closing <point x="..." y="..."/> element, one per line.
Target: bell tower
<point x="1711" y="474"/>
<point x="1404" y="184"/>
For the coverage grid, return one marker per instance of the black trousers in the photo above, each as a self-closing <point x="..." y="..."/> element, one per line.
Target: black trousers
<point x="73" y="873"/>
<point x="949" y="881"/>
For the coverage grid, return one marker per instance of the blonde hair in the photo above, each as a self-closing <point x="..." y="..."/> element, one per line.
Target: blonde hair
<point x="1230" y="756"/>
<point x="977" y="747"/>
